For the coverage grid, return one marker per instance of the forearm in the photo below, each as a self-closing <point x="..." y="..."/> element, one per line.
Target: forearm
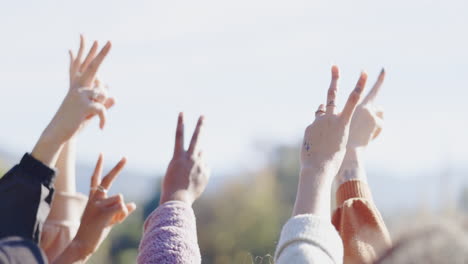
<point x="66" y="167"/>
<point x="174" y="223"/>
<point x="47" y="149"/>
<point x="352" y="167"/>
<point x="313" y="193"/>
<point x="72" y="255"/>
<point x="49" y="145"/>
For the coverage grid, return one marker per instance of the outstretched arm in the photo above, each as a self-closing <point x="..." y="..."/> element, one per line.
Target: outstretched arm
<point x="173" y="222"/>
<point x="357" y="219"/>
<point x="68" y="205"/>
<point x="309" y="237"/>
<point x="31" y="182"/>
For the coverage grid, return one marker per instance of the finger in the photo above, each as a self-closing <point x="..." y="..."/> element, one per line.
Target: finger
<point x="354" y="98"/>
<point x="120" y="212"/>
<point x="89" y="57"/>
<point x="72" y="65"/>
<point x="100" y="110"/>
<point x="96" y="178"/>
<point x="98" y="96"/>
<point x="110" y="177"/>
<point x="91" y="70"/>
<point x="379" y="124"/>
<point x="111" y="201"/>
<point x="123" y="214"/>
<point x="320" y="111"/>
<point x="380" y="114"/>
<point x="179" y="139"/>
<point x="109" y="103"/>
<point x="331" y="95"/>
<point x="377" y="133"/>
<point x="196" y="136"/>
<point x="131" y="207"/>
<point x="370" y="98"/>
<point x="72" y="60"/>
<point x="97" y="83"/>
<point x="79" y="56"/>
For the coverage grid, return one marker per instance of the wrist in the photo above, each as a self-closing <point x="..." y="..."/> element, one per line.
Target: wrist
<point x="180" y="195"/>
<point x="353" y="167"/>
<point x="47" y="149"/>
<point x="74" y="253"/>
<point x="354" y="155"/>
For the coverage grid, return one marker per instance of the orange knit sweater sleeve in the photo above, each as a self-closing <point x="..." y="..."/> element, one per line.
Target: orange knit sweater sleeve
<point x="359" y="223"/>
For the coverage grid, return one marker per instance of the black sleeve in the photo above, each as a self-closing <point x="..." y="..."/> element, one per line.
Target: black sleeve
<point x="25" y="197"/>
<point x="15" y="250"/>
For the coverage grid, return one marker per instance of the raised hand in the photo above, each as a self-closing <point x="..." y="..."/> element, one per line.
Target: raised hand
<point x="323" y="149"/>
<point x="187" y="174"/>
<point x="100" y="215"/>
<point x="85" y="99"/>
<point x="86" y="96"/>
<point x="366" y="125"/>
<point x="367" y="120"/>
<point x="325" y="139"/>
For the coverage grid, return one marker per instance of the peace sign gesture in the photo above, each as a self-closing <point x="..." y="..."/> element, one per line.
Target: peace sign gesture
<point x="367" y="120"/>
<point x="101" y="212"/>
<point x="325" y="139"/>
<point x="187" y="174"/>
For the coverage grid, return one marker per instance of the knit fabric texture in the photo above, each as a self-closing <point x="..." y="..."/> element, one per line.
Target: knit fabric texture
<point x="170" y="236"/>
<point x="359" y="224"/>
<point x="309" y="239"/>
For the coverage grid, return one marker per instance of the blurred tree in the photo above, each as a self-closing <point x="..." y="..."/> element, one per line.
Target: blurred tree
<point x="464" y="200"/>
<point x="241" y="222"/>
<point x="238" y="223"/>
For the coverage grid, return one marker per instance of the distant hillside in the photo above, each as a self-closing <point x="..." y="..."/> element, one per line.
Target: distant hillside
<point x="391" y="192"/>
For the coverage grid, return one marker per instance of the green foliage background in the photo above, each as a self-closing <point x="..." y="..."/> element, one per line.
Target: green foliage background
<point x="238" y="222"/>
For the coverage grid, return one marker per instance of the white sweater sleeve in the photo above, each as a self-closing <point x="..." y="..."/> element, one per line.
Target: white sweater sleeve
<point x="309" y="239"/>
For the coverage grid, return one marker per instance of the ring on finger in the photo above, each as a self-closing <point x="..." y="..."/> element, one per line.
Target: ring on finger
<point x="101" y="189"/>
<point x="95" y="97"/>
<point x="331" y="103"/>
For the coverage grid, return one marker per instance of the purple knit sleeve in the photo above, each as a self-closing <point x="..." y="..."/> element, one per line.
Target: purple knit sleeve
<point x="170" y="236"/>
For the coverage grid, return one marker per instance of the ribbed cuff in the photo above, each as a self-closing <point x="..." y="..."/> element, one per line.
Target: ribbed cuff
<point x="37" y="171"/>
<point x="314" y="230"/>
<point x="352" y="189"/>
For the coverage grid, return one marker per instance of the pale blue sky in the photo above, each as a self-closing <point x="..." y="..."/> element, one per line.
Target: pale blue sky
<point x="256" y="68"/>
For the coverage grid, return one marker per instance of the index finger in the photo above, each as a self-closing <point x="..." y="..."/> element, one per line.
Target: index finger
<point x="196" y="136"/>
<point x="110" y="177"/>
<point x="96" y="178"/>
<point x="93" y="67"/>
<point x="331" y="95"/>
<point x="179" y="138"/>
<point x="375" y="90"/>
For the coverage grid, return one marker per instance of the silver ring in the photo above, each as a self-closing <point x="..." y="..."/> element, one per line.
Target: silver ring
<point x="101" y="189"/>
<point x="331" y="103"/>
<point x="95" y="96"/>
